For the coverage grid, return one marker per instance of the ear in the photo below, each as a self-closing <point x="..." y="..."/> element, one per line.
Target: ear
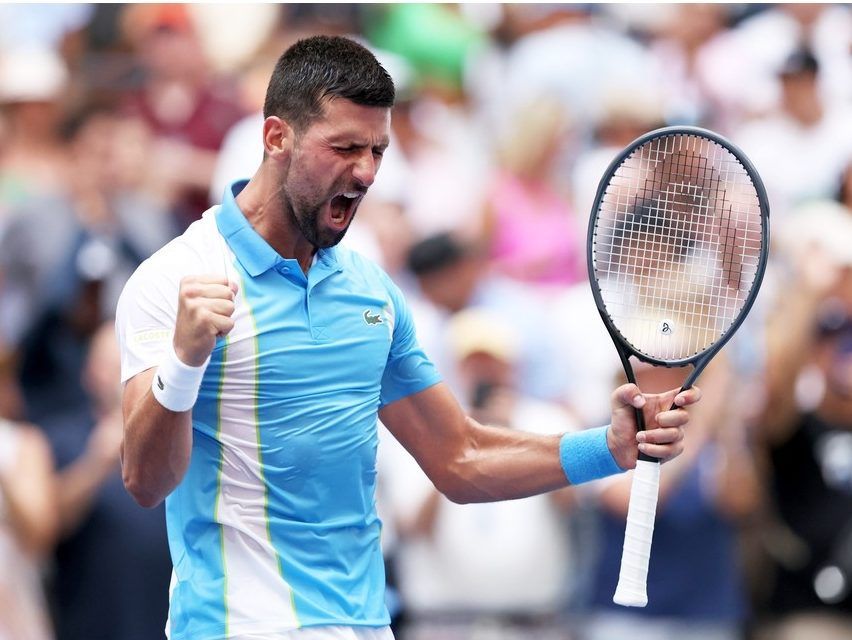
<point x="278" y="138"/>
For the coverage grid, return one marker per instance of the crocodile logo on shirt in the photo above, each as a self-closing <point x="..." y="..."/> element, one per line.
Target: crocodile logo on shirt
<point x="160" y="383"/>
<point x="372" y="319"/>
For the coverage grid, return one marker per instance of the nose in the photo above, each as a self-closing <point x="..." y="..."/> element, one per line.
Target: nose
<point x="365" y="168"/>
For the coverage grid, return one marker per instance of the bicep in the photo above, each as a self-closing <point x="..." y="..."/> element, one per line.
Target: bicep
<point x="135" y="391"/>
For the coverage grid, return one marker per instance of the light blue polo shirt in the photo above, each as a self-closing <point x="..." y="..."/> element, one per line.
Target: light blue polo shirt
<point x="274" y="526"/>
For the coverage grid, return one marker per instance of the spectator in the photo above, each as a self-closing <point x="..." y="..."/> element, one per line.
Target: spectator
<point x="444" y="162"/>
<point x="807" y="429"/>
<point x="112" y="565"/>
<point x="188" y="112"/>
<point x="65" y="257"/>
<point x="800" y="150"/>
<point x="621" y="118"/>
<point x="745" y="58"/>
<point x="27" y="530"/>
<point x="573" y="57"/>
<point x="530" y="228"/>
<point x="679" y="45"/>
<point x="452" y="274"/>
<point x="32" y="157"/>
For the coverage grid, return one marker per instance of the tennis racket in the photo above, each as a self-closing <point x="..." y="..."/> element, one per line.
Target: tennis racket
<point x="677" y="247"/>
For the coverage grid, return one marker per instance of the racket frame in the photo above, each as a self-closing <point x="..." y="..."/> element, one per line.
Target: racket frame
<point x="623" y="346"/>
<point x="632" y="582"/>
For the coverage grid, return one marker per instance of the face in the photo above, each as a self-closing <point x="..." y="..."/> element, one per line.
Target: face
<point x="333" y="163"/>
<point x="94" y="151"/>
<point x="452" y="286"/>
<point x="799" y="93"/>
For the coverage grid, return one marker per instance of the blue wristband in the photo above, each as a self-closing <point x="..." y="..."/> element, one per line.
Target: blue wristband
<point x="585" y="456"/>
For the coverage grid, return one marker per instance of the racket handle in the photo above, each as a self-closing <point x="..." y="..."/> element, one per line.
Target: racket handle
<point x="633" y="578"/>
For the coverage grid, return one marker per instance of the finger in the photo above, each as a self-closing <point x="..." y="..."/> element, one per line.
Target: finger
<point x="212" y="291"/>
<point x="222" y="324"/>
<point x="688" y="397"/>
<point x="220" y="307"/>
<point x="660" y="436"/>
<point x="661" y="451"/>
<point x="673" y="418"/>
<point x="628" y="395"/>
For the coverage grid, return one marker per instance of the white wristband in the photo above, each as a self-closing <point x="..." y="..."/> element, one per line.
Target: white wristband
<point x="175" y="384"/>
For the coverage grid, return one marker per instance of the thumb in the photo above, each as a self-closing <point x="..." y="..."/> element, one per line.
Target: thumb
<point x="627" y="395"/>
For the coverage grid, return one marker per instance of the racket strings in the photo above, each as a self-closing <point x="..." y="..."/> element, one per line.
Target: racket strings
<point x="677" y="245"/>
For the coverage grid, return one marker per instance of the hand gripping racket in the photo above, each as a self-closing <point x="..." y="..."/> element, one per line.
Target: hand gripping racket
<point x="678" y="243"/>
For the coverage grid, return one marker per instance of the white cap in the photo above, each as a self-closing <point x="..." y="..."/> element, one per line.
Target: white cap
<point x="476" y="330"/>
<point x="31" y="75"/>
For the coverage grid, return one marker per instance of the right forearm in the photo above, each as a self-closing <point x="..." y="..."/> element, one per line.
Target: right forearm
<point x="156" y="451"/>
<point x="158" y="440"/>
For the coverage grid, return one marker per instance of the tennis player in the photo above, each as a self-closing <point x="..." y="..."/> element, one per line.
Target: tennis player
<point x="257" y="356"/>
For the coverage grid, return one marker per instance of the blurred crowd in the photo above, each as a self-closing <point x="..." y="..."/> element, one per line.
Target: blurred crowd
<point x="121" y="124"/>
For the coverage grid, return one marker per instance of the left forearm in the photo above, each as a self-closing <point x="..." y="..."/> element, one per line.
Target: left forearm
<point x="469" y="462"/>
<point x="495" y="463"/>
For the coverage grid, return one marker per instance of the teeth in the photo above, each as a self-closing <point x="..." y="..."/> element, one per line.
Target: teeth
<point x="351" y="195"/>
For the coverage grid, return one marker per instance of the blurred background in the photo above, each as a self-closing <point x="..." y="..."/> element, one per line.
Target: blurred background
<point x="121" y="124"/>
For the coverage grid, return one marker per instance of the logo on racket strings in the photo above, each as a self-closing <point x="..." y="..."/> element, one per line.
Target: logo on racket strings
<point x="666" y="327"/>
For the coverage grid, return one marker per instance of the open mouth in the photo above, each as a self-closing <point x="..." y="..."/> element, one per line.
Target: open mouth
<point x="343" y="207"/>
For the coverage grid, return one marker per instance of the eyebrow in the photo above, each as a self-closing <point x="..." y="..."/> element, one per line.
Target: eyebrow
<point x="380" y="145"/>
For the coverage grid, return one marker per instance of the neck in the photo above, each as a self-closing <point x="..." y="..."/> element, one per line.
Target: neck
<point x="264" y="207"/>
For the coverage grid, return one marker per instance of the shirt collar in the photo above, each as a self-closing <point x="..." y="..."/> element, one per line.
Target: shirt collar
<point x="254" y="253"/>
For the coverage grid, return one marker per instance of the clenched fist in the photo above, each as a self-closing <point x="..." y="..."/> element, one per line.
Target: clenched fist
<point x="664" y="425"/>
<point x="205" y="307"/>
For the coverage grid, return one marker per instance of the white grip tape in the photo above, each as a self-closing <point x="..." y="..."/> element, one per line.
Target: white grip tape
<point x="633" y="578"/>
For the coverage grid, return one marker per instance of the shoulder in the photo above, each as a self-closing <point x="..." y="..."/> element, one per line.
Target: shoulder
<point x="155" y="283"/>
<point x="356" y="265"/>
<point x="199" y="249"/>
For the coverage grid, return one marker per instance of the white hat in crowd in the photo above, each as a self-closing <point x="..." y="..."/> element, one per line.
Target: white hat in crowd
<point x="31" y="75"/>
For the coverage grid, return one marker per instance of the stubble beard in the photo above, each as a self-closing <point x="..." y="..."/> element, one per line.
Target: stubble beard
<point x="304" y="215"/>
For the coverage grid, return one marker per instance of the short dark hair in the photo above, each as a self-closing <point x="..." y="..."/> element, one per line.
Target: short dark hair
<point x="80" y="116"/>
<point x="801" y="61"/>
<point x="436" y="252"/>
<point x="322" y="67"/>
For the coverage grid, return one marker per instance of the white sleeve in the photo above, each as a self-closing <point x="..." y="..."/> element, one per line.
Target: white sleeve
<point x="145" y="317"/>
